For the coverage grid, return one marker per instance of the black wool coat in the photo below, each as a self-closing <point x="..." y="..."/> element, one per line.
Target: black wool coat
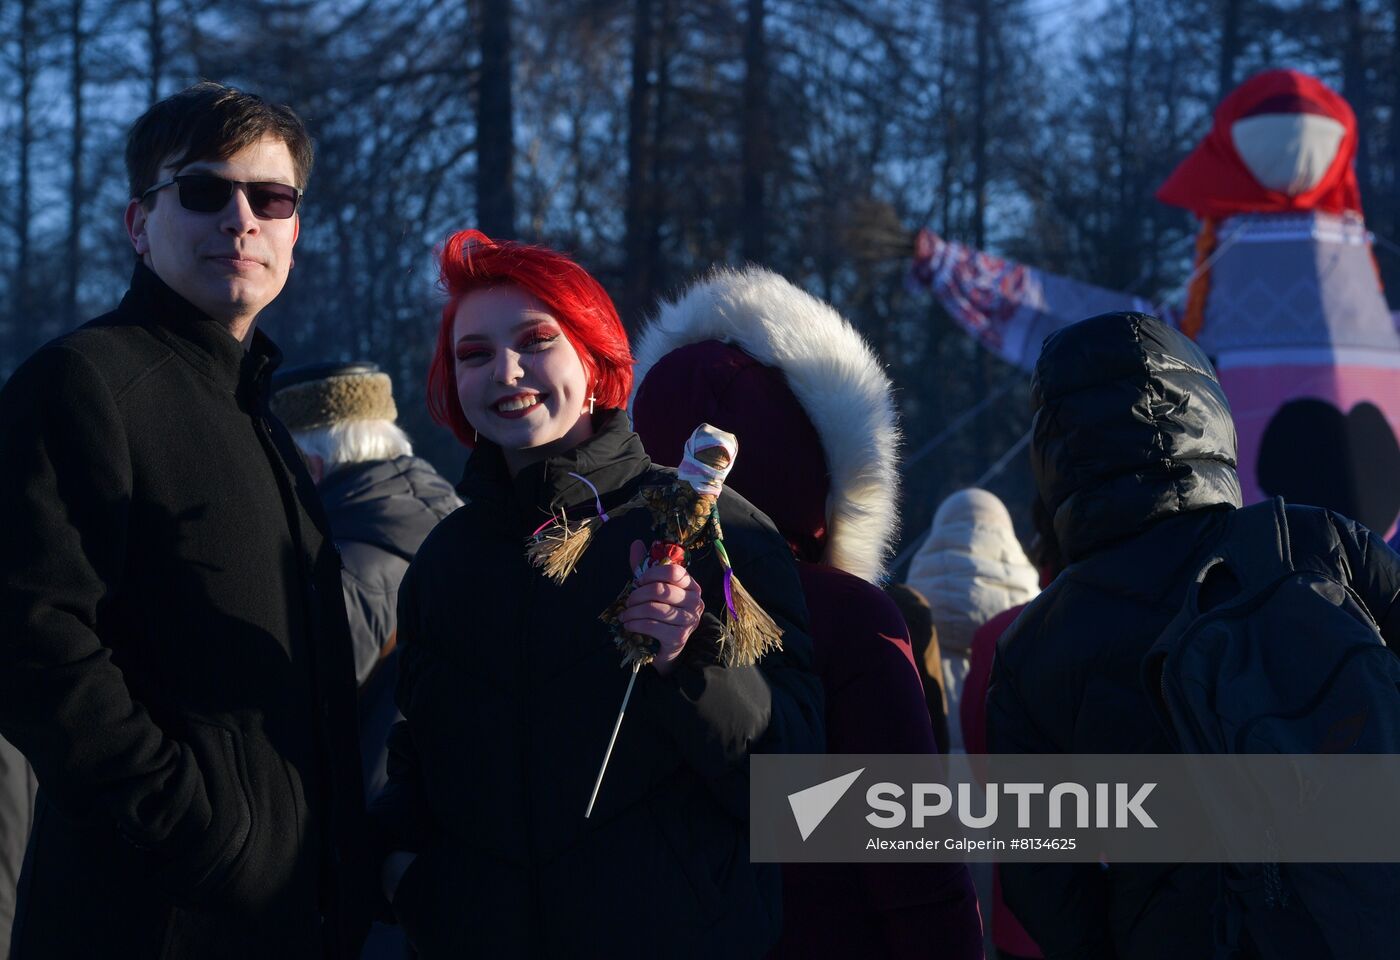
<point x="510" y="685"/>
<point x="1134" y="453"/>
<point x="174" y="655"/>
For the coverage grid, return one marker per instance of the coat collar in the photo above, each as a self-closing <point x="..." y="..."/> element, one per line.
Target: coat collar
<point x="201" y="341"/>
<point x="610" y="459"/>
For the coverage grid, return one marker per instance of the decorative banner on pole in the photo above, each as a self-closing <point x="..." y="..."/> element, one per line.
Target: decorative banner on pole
<point x="1010" y="307"/>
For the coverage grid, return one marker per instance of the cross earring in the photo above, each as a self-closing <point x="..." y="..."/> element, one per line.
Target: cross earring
<point x="591" y="398"/>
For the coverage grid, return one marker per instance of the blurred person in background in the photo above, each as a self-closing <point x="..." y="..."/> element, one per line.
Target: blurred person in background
<point x="923" y="643"/>
<point x="381" y="501"/>
<point x="970" y="569"/>
<point x="814" y="413"/>
<point x="1009" y="938"/>
<point x="1045" y="555"/>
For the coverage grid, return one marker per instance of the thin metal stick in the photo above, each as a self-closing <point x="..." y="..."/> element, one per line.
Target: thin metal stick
<point x="637" y="665"/>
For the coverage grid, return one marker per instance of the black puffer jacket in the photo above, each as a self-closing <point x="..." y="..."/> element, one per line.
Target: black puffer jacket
<point x="1134" y="452"/>
<point x="380" y="512"/>
<point x="510" y="685"/>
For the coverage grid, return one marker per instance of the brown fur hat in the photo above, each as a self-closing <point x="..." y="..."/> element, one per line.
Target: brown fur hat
<point x="322" y="394"/>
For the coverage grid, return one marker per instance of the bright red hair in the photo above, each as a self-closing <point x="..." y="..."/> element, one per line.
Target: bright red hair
<point x="471" y="261"/>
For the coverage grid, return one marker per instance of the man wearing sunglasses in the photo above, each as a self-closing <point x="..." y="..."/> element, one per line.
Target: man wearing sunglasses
<point x="174" y="655"/>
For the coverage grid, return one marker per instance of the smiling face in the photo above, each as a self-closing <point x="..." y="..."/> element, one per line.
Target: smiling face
<point x="229" y="264"/>
<point x="520" y="382"/>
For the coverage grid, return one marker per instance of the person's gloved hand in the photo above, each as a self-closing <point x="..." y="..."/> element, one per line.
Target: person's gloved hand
<point x="666" y="606"/>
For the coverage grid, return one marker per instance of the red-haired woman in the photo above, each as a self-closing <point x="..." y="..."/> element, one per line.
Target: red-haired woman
<point x="510" y="683"/>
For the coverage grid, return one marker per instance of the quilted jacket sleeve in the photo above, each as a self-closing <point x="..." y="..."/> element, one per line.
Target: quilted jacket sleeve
<point x="1375" y="575"/>
<point x="1337" y="545"/>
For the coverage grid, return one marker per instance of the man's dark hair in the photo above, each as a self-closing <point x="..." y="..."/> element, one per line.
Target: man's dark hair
<point x="209" y="121"/>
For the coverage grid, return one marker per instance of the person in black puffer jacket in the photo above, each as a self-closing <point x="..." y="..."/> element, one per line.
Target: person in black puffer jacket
<point x="1134" y="455"/>
<point x="814" y="415"/>
<point x="510" y="683"/>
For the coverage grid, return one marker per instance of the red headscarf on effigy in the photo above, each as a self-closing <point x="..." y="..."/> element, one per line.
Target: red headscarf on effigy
<point x="1214" y="182"/>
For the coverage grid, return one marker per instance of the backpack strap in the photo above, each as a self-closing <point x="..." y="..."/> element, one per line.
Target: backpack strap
<point x="1255" y="546"/>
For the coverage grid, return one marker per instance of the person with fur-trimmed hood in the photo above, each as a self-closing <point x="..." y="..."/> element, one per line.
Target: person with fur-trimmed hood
<point x="806" y="396"/>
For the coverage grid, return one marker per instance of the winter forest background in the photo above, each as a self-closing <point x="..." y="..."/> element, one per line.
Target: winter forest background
<point x="655" y="138"/>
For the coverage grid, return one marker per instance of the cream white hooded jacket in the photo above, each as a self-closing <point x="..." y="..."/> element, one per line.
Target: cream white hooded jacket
<point x="970" y="568"/>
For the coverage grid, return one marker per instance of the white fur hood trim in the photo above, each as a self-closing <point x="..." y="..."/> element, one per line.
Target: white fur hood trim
<point x="836" y="377"/>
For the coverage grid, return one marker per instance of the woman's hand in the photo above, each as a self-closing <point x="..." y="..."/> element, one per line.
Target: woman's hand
<point x="395" y="866"/>
<point x="666" y="606"/>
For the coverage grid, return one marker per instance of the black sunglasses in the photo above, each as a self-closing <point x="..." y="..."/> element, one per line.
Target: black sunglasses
<point x="206" y="193"/>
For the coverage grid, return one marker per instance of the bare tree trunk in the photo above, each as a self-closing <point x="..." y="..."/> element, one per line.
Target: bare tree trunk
<point x="22" y="285"/>
<point x="637" y="269"/>
<point x="755" y="133"/>
<point x="981" y="81"/>
<point x="1395" y="125"/>
<point x="1129" y="192"/>
<point x="155" y="40"/>
<point x="578" y="154"/>
<point x="981" y="365"/>
<point x="1229" y="47"/>
<point x="77" y="194"/>
<point x="1357" y="91"/>
<point x="660" y="126"/>
<point x="194" y="40"/>
<point x="495" y="124"/>
<point x="949" y="114"/>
